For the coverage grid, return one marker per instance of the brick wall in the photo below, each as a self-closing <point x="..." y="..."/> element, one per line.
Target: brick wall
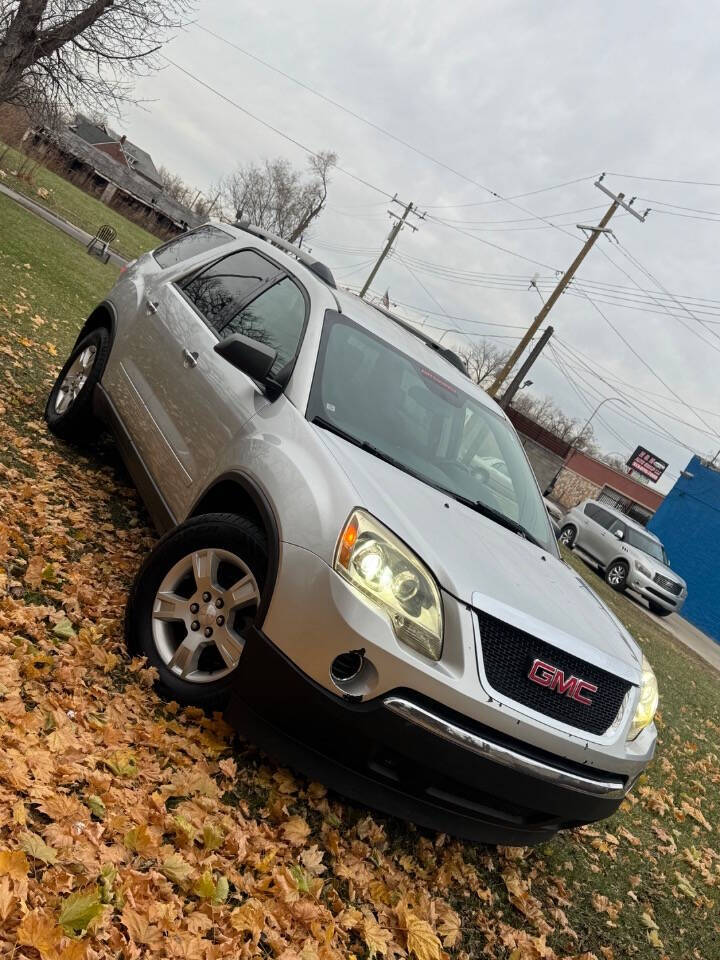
<point x="570" y="488"/>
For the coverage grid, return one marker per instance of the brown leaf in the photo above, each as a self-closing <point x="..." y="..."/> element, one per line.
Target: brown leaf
<point x="296" y="831"/>
<point x="140" y="929"/>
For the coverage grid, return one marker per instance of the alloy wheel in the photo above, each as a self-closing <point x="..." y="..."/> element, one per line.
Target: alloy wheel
<point x="75" y="379"/>
<point x="567" y="536"/>
<point x="200" y="610"/>
<point x="616" y="575"/>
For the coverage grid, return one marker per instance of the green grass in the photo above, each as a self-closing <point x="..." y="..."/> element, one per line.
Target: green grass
<point x="655" y="860"/>
<point x="48" y="287"/>
<point x="74" y="205"/>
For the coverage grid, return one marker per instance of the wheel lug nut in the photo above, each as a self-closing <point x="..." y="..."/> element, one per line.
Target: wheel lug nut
<point x="220" y="621"/>
<point x="219" y="603"/>
<point x="194" y="607"/>
<point x="194" y="625"/>
<point x="208" y="631"/>
<point x="206" y="597"/>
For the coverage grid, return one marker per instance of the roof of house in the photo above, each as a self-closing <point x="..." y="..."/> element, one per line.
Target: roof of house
<point x="139" y="160"/>
<point x="123" y="177"/>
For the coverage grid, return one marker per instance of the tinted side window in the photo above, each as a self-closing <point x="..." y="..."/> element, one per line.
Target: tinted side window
<point x="219" y="291"/>
<point x="191" y="244"/>
<point x="591" y="510"/>
<point x="604" y="519"/>
<point x="275" y="318"/>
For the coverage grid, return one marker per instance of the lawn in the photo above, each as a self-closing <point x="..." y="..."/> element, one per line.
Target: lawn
<point x="73" y="204"/>
<point x="131" y="828"/>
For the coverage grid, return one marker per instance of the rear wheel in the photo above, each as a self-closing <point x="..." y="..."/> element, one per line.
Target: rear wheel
<point x="192" y="600"/>
<point x="658" y="610"/>
<point x="68" y="412"/>
<point x="567" y="536"/>
<point x="616" y="575"/>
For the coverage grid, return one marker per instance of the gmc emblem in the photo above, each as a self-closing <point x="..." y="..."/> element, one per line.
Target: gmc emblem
<point x="546" y="675"/>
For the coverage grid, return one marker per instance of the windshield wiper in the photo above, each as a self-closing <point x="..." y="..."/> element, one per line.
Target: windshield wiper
<point x="492" y="514"/>
<point x="476" y="505"/>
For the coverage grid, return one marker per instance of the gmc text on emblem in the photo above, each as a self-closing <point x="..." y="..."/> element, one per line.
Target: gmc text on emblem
<point x="545" y="675"/>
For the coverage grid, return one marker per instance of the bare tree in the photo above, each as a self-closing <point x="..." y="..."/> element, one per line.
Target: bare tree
<point x="81" y="52"/>
<point x="276" y="197"/>
<point x="483" y="361"/>
<point x="546" y="412"/>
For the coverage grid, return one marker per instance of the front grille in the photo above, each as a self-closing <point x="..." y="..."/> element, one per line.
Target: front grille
<point x="508" y="655"/>
<point x="670" y="585"/>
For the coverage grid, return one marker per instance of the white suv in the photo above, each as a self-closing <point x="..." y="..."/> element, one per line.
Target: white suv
<point x="629" y="555"/>
<point x="357" y="563"/>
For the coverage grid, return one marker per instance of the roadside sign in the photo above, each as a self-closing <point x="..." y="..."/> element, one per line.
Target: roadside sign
<point x="646" y="463"/>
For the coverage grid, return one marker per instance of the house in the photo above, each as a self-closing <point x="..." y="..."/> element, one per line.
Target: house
<point x="118" y="147"/>
<point x="112" y="168"/>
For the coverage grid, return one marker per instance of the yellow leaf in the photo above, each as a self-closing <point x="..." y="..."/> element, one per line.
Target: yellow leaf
<point x="34" y="845"/>
<point x="376" y="937"/>
<point x="296" y="831"/>
<point x="448" y="924"/>
<point x="39" y="931"/>
<point x="212" y="836"/>
<point x="122" y="763"/>
<point x="250" y="918"/>
<point x="14" y="863"/>
<point x="140" y="840"/>
<point x="421" y="940"/>
<point x="176" y="869"/>
<point x="655" y="940"/>
<point x="140" y="928"/>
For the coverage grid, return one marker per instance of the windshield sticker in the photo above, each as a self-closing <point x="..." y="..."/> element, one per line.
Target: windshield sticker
<point x="330" y="407"/>
<point x="430" y="375"/>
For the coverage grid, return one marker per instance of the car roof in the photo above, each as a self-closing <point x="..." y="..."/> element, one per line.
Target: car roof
<point x="627" y="520"/>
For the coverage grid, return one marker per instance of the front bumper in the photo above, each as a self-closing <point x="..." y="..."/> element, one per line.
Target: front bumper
<point x="650" y="590"/>
<point x="413" y="758"/>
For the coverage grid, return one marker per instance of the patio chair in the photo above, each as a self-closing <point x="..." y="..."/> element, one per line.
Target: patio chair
<point x="102" y="239"/>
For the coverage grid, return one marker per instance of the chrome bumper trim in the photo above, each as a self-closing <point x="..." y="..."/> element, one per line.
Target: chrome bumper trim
<point x="606" y="789"/>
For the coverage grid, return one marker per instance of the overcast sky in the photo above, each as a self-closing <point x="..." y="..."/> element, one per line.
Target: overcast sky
<point x="518" y="96"/>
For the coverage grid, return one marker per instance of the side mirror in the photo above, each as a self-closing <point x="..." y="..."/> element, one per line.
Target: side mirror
<point x="253" y="358"/>
<point x="618" y="534"/>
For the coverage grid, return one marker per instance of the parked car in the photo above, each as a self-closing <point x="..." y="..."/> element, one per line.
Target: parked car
<point x="338" y="571"/>
<point x="628" y="554"/>
<point x="555" y="512"/>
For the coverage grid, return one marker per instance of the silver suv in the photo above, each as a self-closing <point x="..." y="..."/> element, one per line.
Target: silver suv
<point x="357" y="563"/>
<point x="628" y="554"/>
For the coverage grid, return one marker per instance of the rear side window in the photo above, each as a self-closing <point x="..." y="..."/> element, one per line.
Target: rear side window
<point x="220" y="291"/>
<point x="604" y="519"/>
<point x="591" y="510"/>
<point x="275" y="318"/>
<point x="191" y="244"/>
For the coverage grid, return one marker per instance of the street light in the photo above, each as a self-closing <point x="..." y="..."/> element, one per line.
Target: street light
<point x="528" y="383"/>
<point x="606" y="400"/>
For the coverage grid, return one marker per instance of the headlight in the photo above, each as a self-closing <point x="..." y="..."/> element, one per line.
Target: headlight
<point x="385" y="571"/>
<point x="643" y="570"/>
<point x="648" y="702"/>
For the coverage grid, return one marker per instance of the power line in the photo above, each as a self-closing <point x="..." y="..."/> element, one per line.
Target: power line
<point x="269" y="126"/>
<point x="693" y="183"/>
<point x="516" y="196"/>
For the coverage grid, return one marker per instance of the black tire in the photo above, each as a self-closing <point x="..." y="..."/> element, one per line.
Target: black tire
<point x="567" y="536"/>
<point x="616" y="575"/>
<point x="215" y="531"/>
<point x="658" y="610"/>
<point x="77" y="424"/>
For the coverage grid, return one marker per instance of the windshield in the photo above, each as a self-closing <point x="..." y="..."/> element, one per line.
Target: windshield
<point x="646" y="544"/>
<point x="412" y="414"/>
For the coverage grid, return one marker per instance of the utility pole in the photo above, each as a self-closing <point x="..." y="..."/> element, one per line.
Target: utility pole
<point x="390" y="241"/>
<point x="594" y="232"/>
<point x="507" y="397"/>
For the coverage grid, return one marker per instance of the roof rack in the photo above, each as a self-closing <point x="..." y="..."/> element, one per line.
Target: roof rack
<point x="320" y="270"/>
<point x="445" y="352"/>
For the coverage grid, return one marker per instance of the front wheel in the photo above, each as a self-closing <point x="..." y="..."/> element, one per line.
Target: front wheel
<point x="658" y="610"/>
<point x="192" y="601"/>
<point x="616" y="575"/>
<point x="68" y="411"/>
<point x="567" y="536"/>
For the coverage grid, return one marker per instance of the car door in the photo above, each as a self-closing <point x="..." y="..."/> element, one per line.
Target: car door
<point x="184" y="393"/>
<point x="600" y="543"/>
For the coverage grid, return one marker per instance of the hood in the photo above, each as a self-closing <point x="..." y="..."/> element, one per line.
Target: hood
<point x="655" y="566"/>
<point x="485" y="565"/>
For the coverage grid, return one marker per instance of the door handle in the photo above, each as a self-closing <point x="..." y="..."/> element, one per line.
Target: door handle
<point x="190" y="360"/>
<point x="150" y="306"/>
